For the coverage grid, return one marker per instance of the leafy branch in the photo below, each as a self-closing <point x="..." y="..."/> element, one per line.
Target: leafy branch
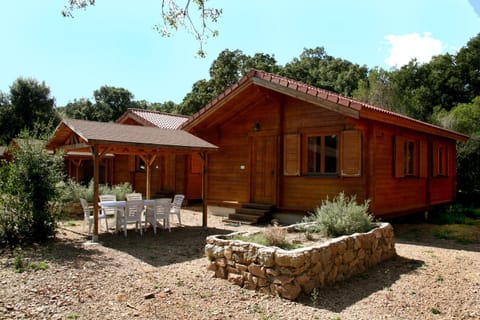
<point x="174" y="16"/>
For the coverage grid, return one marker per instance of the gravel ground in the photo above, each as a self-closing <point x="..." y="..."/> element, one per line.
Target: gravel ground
<point x="165" y="277"/>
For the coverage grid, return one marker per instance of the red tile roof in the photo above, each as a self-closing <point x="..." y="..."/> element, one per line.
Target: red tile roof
<point x="301" y="90"/>
<point x="154" y="118"/>
<point x="93" y="132"/>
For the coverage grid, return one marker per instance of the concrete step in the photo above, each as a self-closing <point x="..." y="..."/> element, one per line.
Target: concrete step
<point x="252" y="211"/>
<point x="243" y="217"/>
<point x="261" y="206"/>
<point x="233" y="221"/>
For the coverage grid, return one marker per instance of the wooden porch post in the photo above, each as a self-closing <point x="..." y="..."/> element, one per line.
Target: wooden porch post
<point x="77" y="164"/>
<point x="96" y="170"/>
<point x="204" y="157"/>
<point x="148" y="160"/>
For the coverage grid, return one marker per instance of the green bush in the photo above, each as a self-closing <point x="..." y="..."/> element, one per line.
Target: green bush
<point x="72" y="191"/>
<point x="29" y="192"/>
<point x="342" y="216"/>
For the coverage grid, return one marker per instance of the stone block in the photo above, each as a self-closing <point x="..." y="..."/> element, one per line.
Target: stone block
<point x="289" y="258"/>
<point x="228" y="252"/>
<point x="348" y="256"/>
<point x="241" y="267"/>
<point x="257" y="270"/>
<point x="221" y="273"/>
<point x="302" y="279"/>
<point x="212" y="266"/>
<point x="231" y="269"/>
<point x="266" y="256"/>
<point x="290" y="291"/>
<point x="315" y="256"/>
<point x="272" y="272"/>
<point x="235" y="279"/>
<point x="222" y="262"/>
<point x="261" y="282"/>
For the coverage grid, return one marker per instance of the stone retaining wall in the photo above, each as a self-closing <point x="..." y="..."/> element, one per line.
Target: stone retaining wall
<point x="288" y="273"/>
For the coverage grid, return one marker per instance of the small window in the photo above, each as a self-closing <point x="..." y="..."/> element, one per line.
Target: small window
<point x="439" y="159"/>
<point x="407" y="159"/>
<point x="322" y="157"/>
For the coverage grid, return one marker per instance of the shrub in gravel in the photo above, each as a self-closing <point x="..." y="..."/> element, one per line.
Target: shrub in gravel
<point x="341" y="216"/>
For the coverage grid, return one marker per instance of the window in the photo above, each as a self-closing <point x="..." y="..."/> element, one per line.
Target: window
<point x="439" y="159"/>
<point x="322" y="154"/>
<point x="407" y="159"/>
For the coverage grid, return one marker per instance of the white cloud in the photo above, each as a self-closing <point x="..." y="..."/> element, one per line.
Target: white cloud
<point x="408" y="46"/>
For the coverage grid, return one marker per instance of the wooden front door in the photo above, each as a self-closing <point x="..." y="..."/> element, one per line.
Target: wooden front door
<point x="263" y="179"/>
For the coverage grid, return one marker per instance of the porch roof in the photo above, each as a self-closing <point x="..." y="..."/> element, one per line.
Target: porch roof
<point x="73" y="134"/>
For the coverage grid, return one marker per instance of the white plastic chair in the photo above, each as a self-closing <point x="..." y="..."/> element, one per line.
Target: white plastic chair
<point x="176" y="206"/>
<point x="88" y="215"/>
<point x="109" y="211"/>
<point x="159" y="211"/>
<point x="132" y="214"/>
<point x="133" y="196"/>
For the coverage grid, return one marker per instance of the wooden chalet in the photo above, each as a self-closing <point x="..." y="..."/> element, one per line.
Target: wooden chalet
<point x="289" y="145"/>
<point x="185" y="174"/>
<point x="171" y="172"/>
<point x="127" y="142"/>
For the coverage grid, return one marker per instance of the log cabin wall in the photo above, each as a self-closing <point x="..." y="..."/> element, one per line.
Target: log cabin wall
<point x="229" y="169"/>
<point x="381" y="178"/>
<point x="398" y="187"/>
<point x="305" y="191"/>
<point x="233" y="176"/>
<point x="292" y="145"/>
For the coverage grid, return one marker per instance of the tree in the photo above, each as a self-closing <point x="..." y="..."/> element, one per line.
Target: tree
<point x="317" y="68"/>
<point x="202" y="93"/>
<point x="111" y="102"/>
<point x="28" y="189"/>
<point x="468" y="61"/>
<point x="81" y="109"/>
<point x="174" y="16"/>
<point x="465" y="118"/>
<point x="167" y="106"/>
<point x="225" y="71"/>
<point x="29" y="103"/>
<point x="376" y="89"/>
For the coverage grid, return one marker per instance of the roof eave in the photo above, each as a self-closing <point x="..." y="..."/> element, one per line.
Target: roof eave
<point x="410" y="123"/>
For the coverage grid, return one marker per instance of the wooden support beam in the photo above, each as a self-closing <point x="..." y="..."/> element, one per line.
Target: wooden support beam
<point x="96" y="169"/>
<point x="204" y="157"/>
<point x="148" y="160"/>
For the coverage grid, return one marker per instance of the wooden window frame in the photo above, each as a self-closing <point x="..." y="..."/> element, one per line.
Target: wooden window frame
<point x="409" y="157"/>
<point x="439" y="160"/>
<point x="305" y="162"/>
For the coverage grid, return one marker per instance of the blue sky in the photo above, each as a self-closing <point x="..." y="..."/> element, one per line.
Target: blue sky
<point x="114" y="43"/>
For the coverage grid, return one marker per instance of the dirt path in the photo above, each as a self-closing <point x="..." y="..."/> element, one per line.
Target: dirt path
<point x="164" y="277"/>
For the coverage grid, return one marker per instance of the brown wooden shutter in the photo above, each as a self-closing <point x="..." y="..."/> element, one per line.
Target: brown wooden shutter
<point x="351" y="153"/>
<point x="399" y="157"/>
<point x="423" y="161"/>
<point x="291" y="155"/>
